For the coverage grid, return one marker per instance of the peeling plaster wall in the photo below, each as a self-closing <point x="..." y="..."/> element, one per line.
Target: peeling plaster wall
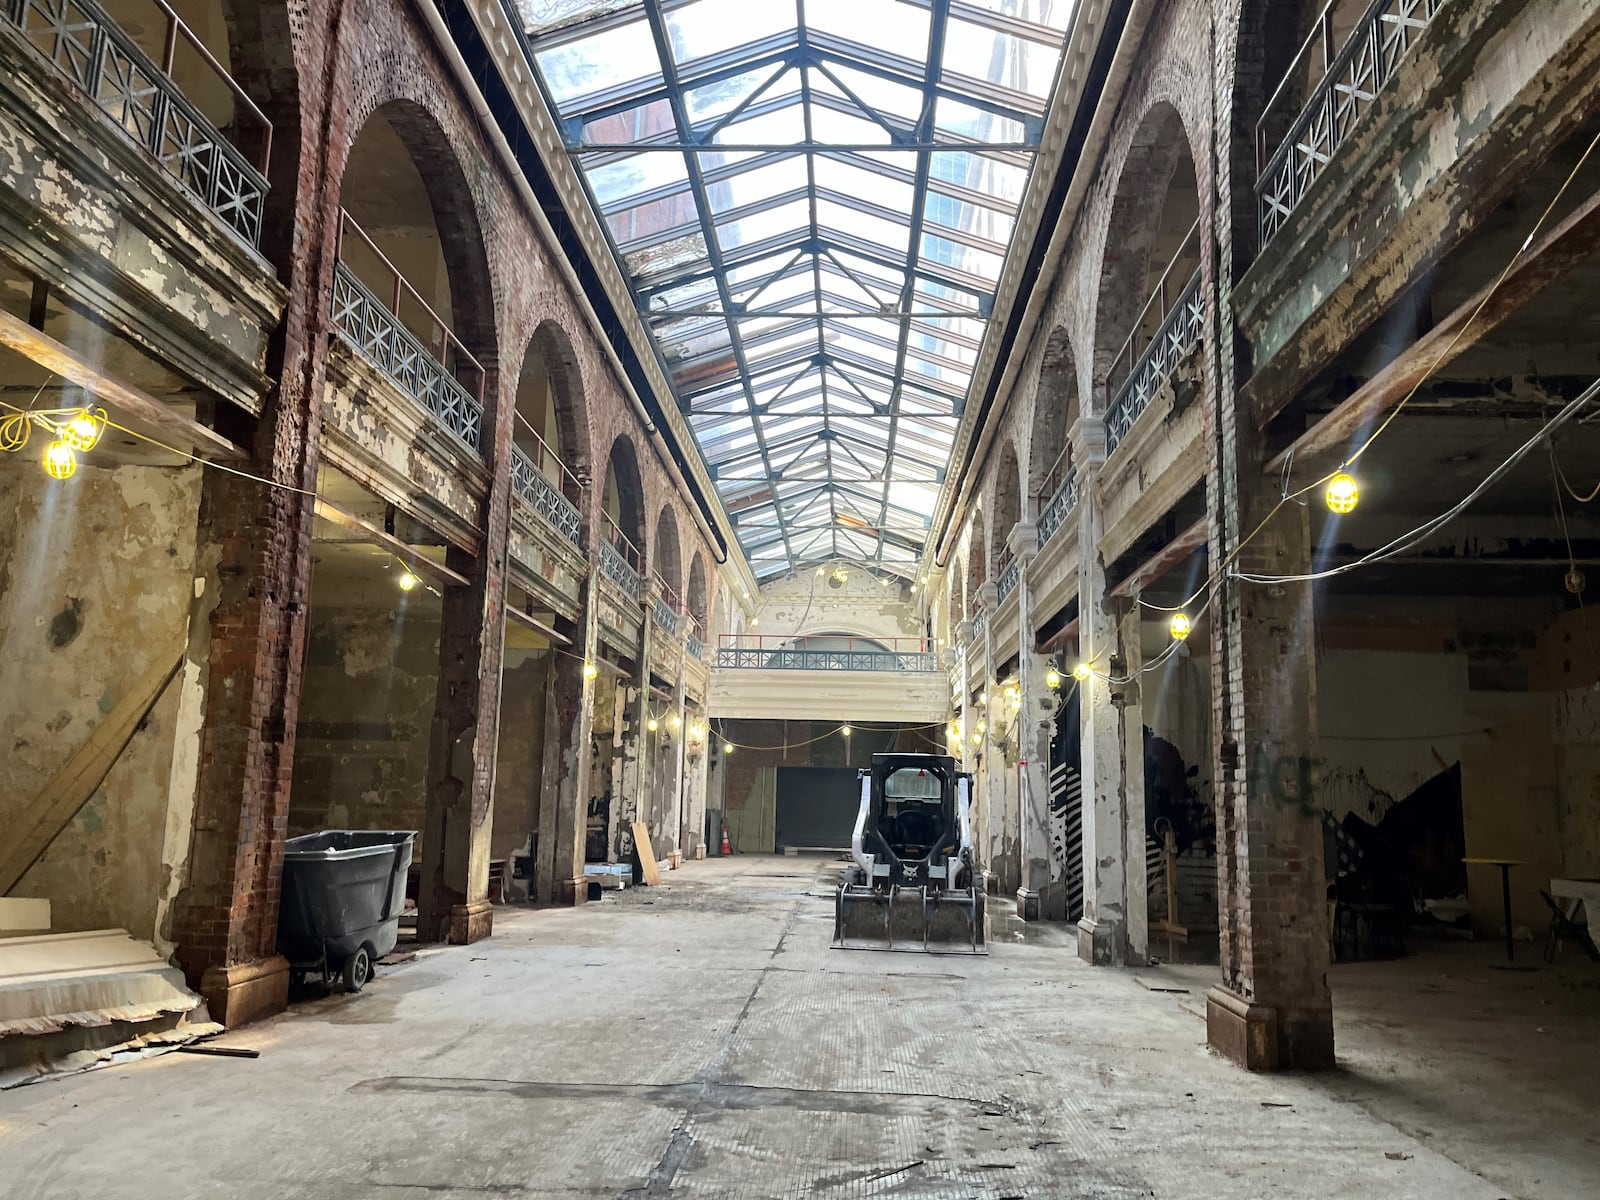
<point x="366" y="715"/>
<point x="97" y="576"/>
<point x="520" y="759"/>
<point x="862" y="606"/>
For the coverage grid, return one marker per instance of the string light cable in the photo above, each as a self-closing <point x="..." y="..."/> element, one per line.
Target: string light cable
<point x="1406" y="541"/>
<point x="1223" y="568"/>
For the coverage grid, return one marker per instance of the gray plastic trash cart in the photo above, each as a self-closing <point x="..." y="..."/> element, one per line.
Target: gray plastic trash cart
<point x="343" y="891"/>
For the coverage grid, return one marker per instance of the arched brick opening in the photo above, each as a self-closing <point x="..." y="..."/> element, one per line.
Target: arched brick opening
<point x="696" y="596"/>
<point x="1007" y="503"/>
<point x="1055" y="411"/>
<point x="404" y="187"/>
<point x="977" y="558"/>
<point x="1151" y="247"/>
<point x="666" y="556"/>
<point x="622" y="499"/>
<point x="552" y="424"/>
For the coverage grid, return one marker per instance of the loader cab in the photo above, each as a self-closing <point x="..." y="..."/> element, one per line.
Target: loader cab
<point x="912" y="813"/>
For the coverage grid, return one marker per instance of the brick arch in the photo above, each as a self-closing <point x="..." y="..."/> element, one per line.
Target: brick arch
<point x="1007" y="499"/>
<point x="456" y="208"/>
<point x="1145" y="206"/>
<point x="1055" y="409"/>
<point x="695" y="597"/>
<point x="666" y="549"/>
<point x="1267" y="39"/>
<point x="622" y="473"/>
<point x="977" y="555"/>
<point x="555" y="349"/>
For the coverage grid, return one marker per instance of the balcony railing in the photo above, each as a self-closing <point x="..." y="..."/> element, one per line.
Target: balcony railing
<point x="1054" y="512"/>
<point x="979" y="620"/>
<point x="856" y="654"/>
<point x="665" y="617"/>
<point x="138" y="93"/>
<point x="1179" y="332"/>
<point x="695" y="647"/>
<point x="1009" y="578"/>
<point x="619" y="557"/>
<point x="533" y="487"/>
<point x="441" y="375"/>
<point x="1342" y="92"/>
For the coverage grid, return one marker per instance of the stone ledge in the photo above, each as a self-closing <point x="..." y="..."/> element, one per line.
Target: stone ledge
<point x="1243" y="1032"/>
<point x="246" y="992"/>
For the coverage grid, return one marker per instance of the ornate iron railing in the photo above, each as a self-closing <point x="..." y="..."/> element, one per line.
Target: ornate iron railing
<point x="665" y="617"/>
<point x="1349" y="83"/>
<point x="979" y="620"/>
<point x="1009" y="578"/>
<point x="364" y="322"/>
<point x="695" y="647"/>
<point x="829" y="660"/>
<point x="1055" y="512"/>
<point x="615" y="568"/>
<point x="90" y="48"/>
<point x="530" y="485"/>
<point x="1179" y="332"/>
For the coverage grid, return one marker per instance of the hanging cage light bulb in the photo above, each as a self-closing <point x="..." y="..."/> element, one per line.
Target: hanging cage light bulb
<point x="676" y="723"/>
<point x="845" y="729"/>
<point x="83" y="431"/>
<point x="59" y="460"/>
<point x="590" y="671"/>
<point x="1082" y="672"/>
<point x="1052" y="679"/>
<point x="407" y="581"/>
<point x="1180" y="626"/>
<point x="1343" y="493"/>
<point x="652" y="724"/>
<point x="727" y="747"/>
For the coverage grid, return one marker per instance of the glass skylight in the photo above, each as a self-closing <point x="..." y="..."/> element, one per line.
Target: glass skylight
<point x="812" y="200"/>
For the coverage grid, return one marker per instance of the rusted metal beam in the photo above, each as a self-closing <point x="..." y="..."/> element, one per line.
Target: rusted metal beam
<point x="418" y="564"/>
<point x="1163" y="560"/>
<point x="1569" y="244"/>
<point x="63" y="361"/>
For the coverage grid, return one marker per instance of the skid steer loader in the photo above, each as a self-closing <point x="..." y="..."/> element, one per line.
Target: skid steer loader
<point x="915" y="883"/>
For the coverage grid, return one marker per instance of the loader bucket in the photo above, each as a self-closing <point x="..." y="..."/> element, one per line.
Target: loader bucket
<point x="910" y="919"/>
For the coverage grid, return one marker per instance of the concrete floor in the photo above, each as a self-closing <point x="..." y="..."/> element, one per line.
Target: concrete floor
<point x="701" y="1040"/>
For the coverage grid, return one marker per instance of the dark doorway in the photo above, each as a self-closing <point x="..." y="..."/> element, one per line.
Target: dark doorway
<point x="816" y="807"/>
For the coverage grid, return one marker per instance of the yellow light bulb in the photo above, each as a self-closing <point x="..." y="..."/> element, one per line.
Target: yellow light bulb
<point x="983" y="726"/>
<point x="1082" y="672"/>
<point x="590" y="670"/>
<point x="983" y="699"/>
<point x="652" y="725"/>
<point x="727" y="747"/>
<point x="407" y="581"/>
<point x="676" y="723"/>
<point x="1343" y="493"/>
<point x="59" y="460"/>
<point x="977" y="739"/>
<point x="1052" y="679"/>
<point x="1180" y="626"/>
<point x="83" y="431"/>
<point x="845" y="729"/>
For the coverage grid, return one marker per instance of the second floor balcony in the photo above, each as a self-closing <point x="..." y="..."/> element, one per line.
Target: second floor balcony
<point x="820" y="653"/>
<point x="378" y="312"/>
<point x="1170" y="325"/>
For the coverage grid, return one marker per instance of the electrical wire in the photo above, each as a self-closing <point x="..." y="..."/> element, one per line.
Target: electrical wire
<point x="1413" y="537"/>
<point x="1222" y="568"/>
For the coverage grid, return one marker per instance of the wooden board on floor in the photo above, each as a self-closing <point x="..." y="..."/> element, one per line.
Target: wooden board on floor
<point x="649" y="873"/>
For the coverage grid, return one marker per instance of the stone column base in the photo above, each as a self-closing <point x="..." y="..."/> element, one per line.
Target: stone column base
<point x="246" y="992"/>
<point x="1242" y="1032"/>
<point x="1100" y="942"/>
<point x="1028" y="905"/>
<point x="572" y="891"/>
<point x="471" y="922"/>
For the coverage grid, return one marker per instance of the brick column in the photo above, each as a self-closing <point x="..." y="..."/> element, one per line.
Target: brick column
<point x="999" y="827"/>
<point x="1273" y="1008"/>
<point x="630" y="797"/>
<point x="674" y="827"/>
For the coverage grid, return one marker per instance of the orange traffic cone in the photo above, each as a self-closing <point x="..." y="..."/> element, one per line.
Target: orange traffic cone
<point x="726" y="849"/>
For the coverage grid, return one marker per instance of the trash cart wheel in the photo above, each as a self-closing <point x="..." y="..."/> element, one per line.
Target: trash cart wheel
<point x="357" y="969"/>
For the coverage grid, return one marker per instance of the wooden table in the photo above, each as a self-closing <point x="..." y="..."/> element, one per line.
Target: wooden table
<point x="1505" y="865"/>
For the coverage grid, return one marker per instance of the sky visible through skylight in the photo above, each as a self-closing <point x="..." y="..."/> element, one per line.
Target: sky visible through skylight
<point x="812" y="201"/>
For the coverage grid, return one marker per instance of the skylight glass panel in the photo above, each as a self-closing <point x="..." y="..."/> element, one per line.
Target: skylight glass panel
<point x="817" y="281"/>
